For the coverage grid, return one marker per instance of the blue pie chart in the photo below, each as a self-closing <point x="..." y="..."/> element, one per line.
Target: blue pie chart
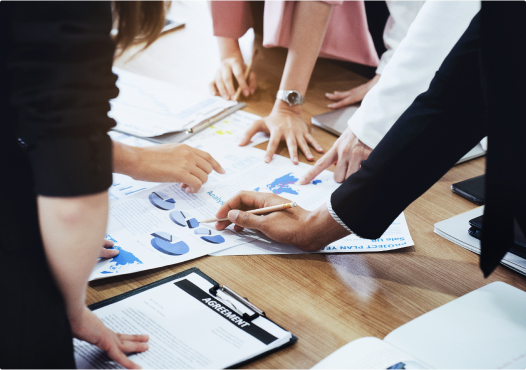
<point x="214" y="239"/>
<point x="161" y="201"/>
<point x="175" y="249"/>
<point x="178" y="218"/>
<point x="202" y="231"/>
<point x="192" y="223"/>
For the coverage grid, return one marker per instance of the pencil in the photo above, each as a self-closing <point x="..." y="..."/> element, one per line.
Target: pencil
<point x="260" y="211"/>
<point x="247" y="73"/>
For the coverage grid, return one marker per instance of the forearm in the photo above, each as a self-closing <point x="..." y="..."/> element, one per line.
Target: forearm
<point x="309" y="23"/>
<point x="73" y="230"/>
<point x="125" y="158"/>
<point x="228" y="48"/>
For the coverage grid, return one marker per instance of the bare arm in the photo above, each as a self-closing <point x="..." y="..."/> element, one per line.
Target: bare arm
<point x="309" y="23"/>
<point x="72" y="231"/>
<point x="165" y="163"/>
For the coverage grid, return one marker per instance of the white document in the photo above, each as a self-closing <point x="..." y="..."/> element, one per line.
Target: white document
<point x="147" y="107"/>
<point x="484" y="329"/>
<point x="228" y="131"/>
<point x="395" y="237"/>
<point x="188" y="329"/>
<point x="455" y="229"/>
<point x="225" y="133"/>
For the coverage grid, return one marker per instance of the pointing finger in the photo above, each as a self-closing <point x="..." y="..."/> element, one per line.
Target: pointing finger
<point x="324" y="162"/>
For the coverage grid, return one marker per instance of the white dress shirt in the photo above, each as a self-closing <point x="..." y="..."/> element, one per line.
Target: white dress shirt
<point x="430" y="38"/>
<point x="402" y="15"/>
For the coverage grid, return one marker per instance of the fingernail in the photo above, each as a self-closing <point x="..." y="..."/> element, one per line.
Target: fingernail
<point x="296" y="160"/>
<point x="327" y="94"/>
<point x="246" y="92"/>
<point x="330" y="105"/>
<point x="267" y="159"/>
<point x="232" y="215"/>
<point x="300" y="181"/>
<point x="222" y="171"/>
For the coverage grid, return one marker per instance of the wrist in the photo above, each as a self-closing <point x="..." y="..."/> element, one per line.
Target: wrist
<point x="126" y="159"/>
<point x="281" y="106"/>
<point x="229" y="48"/>
<point x="323" y="228"/>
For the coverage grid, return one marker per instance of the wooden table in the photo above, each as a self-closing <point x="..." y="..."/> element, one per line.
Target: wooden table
<point x="327" y="300"/>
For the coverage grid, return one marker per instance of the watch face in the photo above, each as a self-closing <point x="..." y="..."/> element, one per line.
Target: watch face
<point x="293" y="97"/>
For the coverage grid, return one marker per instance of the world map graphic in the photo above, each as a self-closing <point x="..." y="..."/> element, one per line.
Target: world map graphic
<point x="283" y="184"/>
<point x="122" y="259"/>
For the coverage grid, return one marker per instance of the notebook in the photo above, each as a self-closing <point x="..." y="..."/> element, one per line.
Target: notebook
<point x="484" y="329"/>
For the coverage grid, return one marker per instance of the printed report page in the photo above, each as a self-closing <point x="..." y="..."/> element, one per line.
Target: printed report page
<point x="188" y="328"/>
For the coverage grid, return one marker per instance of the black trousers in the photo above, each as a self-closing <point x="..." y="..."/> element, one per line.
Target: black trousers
<point x="470" y="97"/>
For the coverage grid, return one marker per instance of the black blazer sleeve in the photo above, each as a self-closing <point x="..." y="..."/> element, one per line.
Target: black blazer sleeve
<point x="60" y="59"/>
<point x="441" y="125"/>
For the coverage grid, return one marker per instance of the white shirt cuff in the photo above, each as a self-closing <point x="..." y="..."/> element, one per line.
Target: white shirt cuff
<point x="336" y="218"/>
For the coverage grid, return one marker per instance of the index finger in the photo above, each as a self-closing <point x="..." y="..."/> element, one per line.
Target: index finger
<point x="323" y="163"/>
<point x="243" y="200"/>
<point x="207" y="157"/>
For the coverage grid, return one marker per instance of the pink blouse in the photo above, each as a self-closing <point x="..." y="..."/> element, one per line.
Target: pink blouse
<point x="347" y="37"/>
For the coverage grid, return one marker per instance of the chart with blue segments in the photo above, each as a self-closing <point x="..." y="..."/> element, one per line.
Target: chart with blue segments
<point x="161" y="201"/>
<point x="178" y="218"/>
<point x="206" y="235"/>
<point x="162" y="242"/>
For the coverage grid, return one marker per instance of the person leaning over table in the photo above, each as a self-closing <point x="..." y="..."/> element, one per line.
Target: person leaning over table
<point x="432" y="35"/>
<point x="469" y="96"/>
<point x="308" y="29"/>
<point x="56" y="164"/>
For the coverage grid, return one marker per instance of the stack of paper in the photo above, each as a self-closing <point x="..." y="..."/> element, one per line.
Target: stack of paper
<point x="158" y="225"/>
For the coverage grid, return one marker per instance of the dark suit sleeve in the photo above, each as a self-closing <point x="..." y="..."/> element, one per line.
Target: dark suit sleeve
<point x="441" y="125"/>
<point x="60" y="63"/>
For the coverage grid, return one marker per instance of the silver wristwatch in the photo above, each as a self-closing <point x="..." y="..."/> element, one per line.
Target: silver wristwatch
<point x="291" y="97"/>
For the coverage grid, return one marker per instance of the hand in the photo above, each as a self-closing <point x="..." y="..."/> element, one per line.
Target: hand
<point x="106" y="252"/>
<point x="310" y="231"/>
<point x="174" y="163"/>
<point x="284" y="122"/>
<point x="88" y="327"/>
<point x="351" y="96"/>
<point x="223" y="83"/>
<point x="348" y="152"/>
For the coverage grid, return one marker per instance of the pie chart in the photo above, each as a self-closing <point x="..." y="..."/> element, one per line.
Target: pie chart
<point x="178" y="218"/>
<point x="192" y="223"/>
<point x="203" y="231"/>
<point x="161" y="201"/>
<point x="163" y="245"/>
<point x="214" y="239"/>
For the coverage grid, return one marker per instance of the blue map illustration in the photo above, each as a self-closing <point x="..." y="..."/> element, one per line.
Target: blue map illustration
<point x="282" y="184"/>
<point x="122" y="259"/>
<point x="314" y="182"/>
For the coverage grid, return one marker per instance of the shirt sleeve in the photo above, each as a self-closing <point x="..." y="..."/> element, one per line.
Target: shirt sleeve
<point x="231" y="19"/>
<point x="402" y="15"/>
<point x="442" y="125"/>
<point x="60" y="61"/>
<point x="432" y="35"/>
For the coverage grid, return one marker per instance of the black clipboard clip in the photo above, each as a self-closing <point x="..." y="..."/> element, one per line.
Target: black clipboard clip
<point x="239" y="299"/>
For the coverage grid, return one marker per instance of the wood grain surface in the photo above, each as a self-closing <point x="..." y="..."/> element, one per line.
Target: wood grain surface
<point x="327" y="300"/>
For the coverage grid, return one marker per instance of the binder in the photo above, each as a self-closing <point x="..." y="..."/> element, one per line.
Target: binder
<point x="213" y="292"/>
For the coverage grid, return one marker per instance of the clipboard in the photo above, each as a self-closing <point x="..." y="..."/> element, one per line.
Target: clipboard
<point x="180" y="136"/>
<point x="213" y="291"/>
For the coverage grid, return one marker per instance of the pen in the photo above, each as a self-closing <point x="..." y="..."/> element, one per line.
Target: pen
<point x="279" y="207"/>
<point x="247" y="72"/>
